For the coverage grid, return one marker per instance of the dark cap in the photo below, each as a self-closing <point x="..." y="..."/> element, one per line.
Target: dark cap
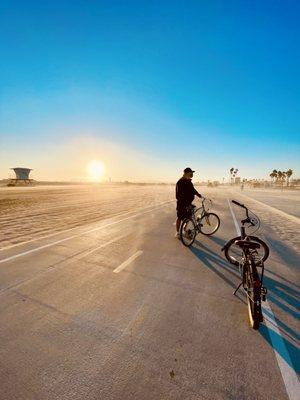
<point x="187" y="170"/>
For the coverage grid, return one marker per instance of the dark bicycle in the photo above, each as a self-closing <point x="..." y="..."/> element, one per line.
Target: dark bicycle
<point x="200" y="220"/>
<point x="249" y="253"/>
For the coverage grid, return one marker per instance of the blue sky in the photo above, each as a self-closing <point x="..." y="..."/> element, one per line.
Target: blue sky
<point x="149" y="87"/>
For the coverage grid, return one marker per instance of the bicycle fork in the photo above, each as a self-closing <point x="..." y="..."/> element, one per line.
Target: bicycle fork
<point x="263" y="289"/>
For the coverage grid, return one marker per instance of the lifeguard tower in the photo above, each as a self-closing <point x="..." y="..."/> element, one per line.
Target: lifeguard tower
<point x="22" y="177"/>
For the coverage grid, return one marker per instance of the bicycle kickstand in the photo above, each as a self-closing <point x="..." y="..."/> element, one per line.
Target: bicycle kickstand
<point x="234" y="293"/>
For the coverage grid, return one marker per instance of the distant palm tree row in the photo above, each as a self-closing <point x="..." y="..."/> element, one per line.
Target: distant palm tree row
<point x="233" y="173"/>
<point x="281" y="176"/>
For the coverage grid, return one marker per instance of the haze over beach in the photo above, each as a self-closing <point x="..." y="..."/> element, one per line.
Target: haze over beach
<point x="149" y="200"/>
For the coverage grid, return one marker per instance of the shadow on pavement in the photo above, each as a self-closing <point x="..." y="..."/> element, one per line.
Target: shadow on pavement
<point x="217" y="240"/>
<point x="217" y="264"/>
<point x="287" y="350"/>
<point x="284" y="279"/>
<point x="283" y="296"/>
<point x="212" y="260"/>
<point x="287" y="254"/>
<point x="281" y="292"/>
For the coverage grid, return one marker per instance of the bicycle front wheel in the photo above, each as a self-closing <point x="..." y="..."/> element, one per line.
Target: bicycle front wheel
<point x="209" y="224"/>
<point x="188" y="232"/>
<point x="254" y="296"/>
<point x="234" y="253"/>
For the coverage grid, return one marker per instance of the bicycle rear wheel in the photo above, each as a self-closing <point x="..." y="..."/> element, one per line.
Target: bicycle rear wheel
<point x="188" y="232"/>
<point x="254" y="296"/>
<point x="209" y="224"/>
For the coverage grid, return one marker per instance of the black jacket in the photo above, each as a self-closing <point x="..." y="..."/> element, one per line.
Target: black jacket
<point x="185" y="191"/>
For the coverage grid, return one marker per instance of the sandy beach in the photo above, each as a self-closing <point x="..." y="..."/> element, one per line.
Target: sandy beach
<point x="32" y="212"/>
<point x="28" y="213"/>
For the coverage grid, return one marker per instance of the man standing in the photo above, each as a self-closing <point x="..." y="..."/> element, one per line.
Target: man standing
<point x="185" y="194"/>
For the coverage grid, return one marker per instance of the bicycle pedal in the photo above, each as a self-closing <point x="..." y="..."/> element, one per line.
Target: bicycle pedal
<point x="264" y="292"/>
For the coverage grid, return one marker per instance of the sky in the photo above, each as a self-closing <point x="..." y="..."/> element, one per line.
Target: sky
<point x="149" y="87"/>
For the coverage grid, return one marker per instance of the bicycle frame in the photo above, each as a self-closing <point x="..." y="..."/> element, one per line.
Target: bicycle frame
<point x="193" y="217"/>
<point x="251" y="277"/>
<point x="193" y="214"/>
<point x="244" y="268"/>
<point x="247" y="257"/>
<point x="202" y="209"/>
<point x="198" y="220"/>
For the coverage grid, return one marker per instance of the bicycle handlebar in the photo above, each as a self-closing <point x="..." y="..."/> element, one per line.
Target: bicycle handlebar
<point x="238" y="204"/>
<point x="248" y="219"/>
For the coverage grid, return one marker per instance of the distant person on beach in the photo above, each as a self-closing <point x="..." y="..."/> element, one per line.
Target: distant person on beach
<point x="185" y="194"/>
<point x="242" y="186"/>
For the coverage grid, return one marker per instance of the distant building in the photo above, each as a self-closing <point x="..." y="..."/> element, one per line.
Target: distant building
<point x="237" y="180"/>
<point x="22" y="173"/>
<point x="22" y="176"/>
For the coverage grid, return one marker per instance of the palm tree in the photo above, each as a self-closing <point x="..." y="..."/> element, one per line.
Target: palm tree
<point x="281" y="177"/>
<point x="288" y="173"/>
<point x="273" y="175"/>
<point x="231" y="173"/>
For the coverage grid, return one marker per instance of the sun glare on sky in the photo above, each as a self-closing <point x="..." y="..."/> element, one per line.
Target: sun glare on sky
<point x="95" y="170"/>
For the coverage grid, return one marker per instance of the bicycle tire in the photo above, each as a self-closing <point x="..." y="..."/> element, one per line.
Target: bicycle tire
<point x="235" y="261"/>
<point x="254" y="296"/>
<point x="204" y="222"/>
<point x="187" y="235"/>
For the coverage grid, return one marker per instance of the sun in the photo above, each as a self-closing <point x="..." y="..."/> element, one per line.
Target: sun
<point x="95" y="170"/>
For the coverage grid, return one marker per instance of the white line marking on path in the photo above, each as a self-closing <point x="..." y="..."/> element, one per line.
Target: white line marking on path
<point x="39" y="238"/>
<point x="237" y="227"/>
<point x="127" y="262"/>
<point x="80" y="257"/>
<point x="76" y="227"/>
<point x="80" y="234"/>
<point x="88" y="252"/>
<point x="288" y="373"/>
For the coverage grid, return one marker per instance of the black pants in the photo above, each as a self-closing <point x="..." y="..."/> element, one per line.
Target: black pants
<point x="183" y="210"/>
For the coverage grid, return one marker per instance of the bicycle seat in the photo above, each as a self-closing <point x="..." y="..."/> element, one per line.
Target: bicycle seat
<point x="247" y="243"/>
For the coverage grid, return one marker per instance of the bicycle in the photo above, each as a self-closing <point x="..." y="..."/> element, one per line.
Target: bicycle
<point x="234" y="253"/>
<point x="198" y="221"/>
<point x="251" y="259"/>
